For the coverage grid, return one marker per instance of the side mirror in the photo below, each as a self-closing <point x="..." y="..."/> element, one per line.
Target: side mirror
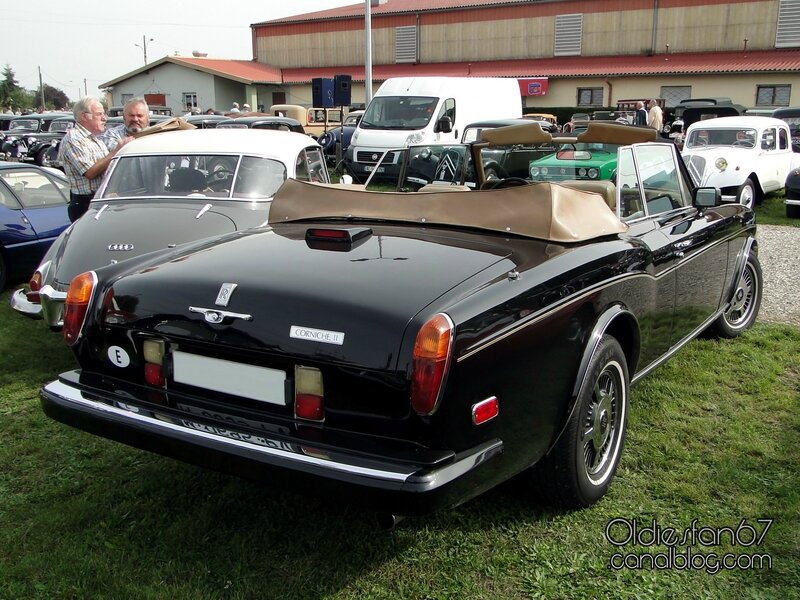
<point x="444" y="125"/>
<point x="707" y="197"/>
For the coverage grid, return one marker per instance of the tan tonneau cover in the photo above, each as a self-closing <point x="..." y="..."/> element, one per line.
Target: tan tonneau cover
<point x="545" y="211"/>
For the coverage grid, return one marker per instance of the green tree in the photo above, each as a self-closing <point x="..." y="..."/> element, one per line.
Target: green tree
<point x="11" y="94"/>
<point x="54" y="98"/>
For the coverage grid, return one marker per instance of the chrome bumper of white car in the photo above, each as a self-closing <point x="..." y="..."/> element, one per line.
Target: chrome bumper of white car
<point x="50" y="307"/>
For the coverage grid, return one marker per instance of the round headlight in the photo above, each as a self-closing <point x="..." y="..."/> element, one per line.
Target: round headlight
<point x="544" y="171"/>
<point x="534" y="171"/>
<point x="582" y="172"/>
<point x="593" y="173"/>
<point x="721" y="164"/>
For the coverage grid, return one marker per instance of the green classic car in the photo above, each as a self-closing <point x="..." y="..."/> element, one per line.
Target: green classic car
<point x="581" y="160"/>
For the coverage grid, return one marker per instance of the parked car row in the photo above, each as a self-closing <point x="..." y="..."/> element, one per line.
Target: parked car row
<point x="34" y="137"/>
<point x="454" y="334"/>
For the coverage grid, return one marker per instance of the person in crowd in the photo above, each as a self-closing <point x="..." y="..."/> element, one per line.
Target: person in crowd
<point x="235" y="107"/>
<point x="84" y="156"/>
<point x="641" y="114"/>
<point x="135" y="117"/>
<point x="245" y="108"/>
<point x="655" y="117"/>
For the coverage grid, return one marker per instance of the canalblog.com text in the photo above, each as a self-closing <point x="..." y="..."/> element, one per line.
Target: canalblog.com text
<point x="650" y="545"/>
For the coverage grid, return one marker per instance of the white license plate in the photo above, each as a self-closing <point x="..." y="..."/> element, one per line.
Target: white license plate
<point x="248" y="381"/>
<point x="370" y="168"/>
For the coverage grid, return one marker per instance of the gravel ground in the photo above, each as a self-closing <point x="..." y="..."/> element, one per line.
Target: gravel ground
<point x="779" y="253"/>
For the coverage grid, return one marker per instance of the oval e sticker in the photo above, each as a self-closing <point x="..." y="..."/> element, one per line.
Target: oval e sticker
<point x="118" y="357"/>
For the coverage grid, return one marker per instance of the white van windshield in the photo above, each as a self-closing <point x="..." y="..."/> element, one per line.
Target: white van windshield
<point x="399" y="112"/>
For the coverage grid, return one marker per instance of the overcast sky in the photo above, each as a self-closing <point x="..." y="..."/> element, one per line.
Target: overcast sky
<point x="76" y="40"/>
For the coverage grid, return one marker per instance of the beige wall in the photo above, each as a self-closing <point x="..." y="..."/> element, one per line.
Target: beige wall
<point x="739" y="88"/>
<point x="712" y="27"/>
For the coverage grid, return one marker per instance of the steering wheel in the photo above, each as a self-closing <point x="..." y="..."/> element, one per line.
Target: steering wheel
<point x="743" y="143"/>
<point x="508" y="182"/>
<point x="218" y="174"/>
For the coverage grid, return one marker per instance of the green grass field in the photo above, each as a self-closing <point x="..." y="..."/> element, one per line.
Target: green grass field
<point x="713" y="447"/>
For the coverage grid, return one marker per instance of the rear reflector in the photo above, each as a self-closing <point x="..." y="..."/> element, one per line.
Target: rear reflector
<point x="431" y="360"/>
<point x="485" y="410"/>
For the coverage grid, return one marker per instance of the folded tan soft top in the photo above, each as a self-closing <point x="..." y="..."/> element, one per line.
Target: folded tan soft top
<point x="545" y="211"/>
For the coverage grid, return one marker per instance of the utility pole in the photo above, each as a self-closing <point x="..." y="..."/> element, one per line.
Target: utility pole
<point x="367" y="53"/>
<point x="41" y="87"/>
<point x="144" y="47"/>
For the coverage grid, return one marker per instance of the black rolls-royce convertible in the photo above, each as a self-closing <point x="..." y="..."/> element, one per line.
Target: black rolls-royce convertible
<point x="412" y="350"/>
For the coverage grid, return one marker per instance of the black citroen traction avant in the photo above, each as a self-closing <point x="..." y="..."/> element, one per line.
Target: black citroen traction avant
<point x="411" y="350"/>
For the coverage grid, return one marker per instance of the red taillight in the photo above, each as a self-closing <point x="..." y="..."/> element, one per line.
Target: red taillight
<point x="35" y="285"/>
<point x="77" y="304"/>
<point x="309" y="394"/>
<point x="309" y="406"/>
<point x="154" y="375"/>
<point x="430" y="362"/>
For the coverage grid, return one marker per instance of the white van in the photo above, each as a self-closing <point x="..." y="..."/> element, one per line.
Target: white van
<point x="427" y="110"/>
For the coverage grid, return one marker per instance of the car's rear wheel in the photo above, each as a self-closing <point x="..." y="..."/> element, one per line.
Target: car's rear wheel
<point x="746" y="194"/>
<point x="746" y="301"/>
<point x="578" y="470"/>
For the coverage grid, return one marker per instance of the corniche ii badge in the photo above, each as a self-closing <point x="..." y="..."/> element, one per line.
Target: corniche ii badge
<point x="316" y="335"/>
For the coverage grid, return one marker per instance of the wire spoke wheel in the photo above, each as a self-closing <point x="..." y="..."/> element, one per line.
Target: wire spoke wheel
<point x="602" y="423"/>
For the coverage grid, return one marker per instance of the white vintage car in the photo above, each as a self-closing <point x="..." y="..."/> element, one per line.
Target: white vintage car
<point x="745" y="157"/>
<point x="167" y="189"/>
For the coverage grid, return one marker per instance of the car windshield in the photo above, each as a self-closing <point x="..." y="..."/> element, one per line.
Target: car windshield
<point x="449" y="165"/>
<point x="733" y="136"/>
<point x="201" y="176"/>
<point x="232" y="126"/>
<point x="399" y="112"/>
<point x="60" y="126"/>
<point x="26" y="124"/>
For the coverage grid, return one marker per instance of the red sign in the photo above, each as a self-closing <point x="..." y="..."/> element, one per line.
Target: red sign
<point x="534" y="86"/>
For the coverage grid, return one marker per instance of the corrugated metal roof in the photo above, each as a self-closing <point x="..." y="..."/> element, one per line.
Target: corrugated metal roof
<point x="765" y="61"/>
<point x="705" y="63"/>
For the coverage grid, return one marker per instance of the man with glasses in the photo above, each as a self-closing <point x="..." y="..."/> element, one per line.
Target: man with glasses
<point x="84" y="156"/>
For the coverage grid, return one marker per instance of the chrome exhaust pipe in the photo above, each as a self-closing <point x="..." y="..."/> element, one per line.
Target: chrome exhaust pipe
<point x="388" y="521"/>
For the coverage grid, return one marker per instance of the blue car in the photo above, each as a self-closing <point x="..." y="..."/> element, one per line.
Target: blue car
<point x="33" y="212"/>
